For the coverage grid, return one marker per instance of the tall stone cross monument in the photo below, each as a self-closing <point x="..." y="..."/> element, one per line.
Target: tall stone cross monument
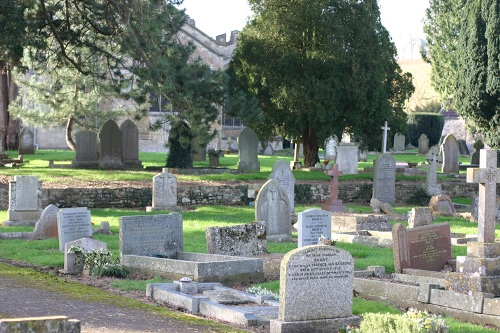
<point x="295" y="164"/>
<point x="384" y="139"/>
<point x="333" y="204"/>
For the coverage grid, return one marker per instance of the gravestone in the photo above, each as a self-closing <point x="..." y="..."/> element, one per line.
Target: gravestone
<point x="164" y="192"/>
<point x="399" y="142"/>
<point x="313" y="223"/>
<point x="46" y="227"/>
<point x="385" y="129"/>
<point x="295" y="164"/>
<point x="333" y="204"/>
<point x="87" y="153"/>
<point x="25" y="201"/>
<point x="130" y="145"/>
<point x="462" y="148"/>
<point x="282" y="174"/>
<point x="441" y="205"/>
<point x="426" y="248"/>
<point x="26" y="142"/>
<point x="273" y="207"/>
<point x="73" y="224"/>
<point x="244" y="240"/>
<point x="384" y="179"/>
<point x="151" y="235"/>
<point x="268" y="151"/>
<point x="362" y="155"/>
<point x="48" y="324"/>
<point x="316" y="291"/>
<point x="198" y="151"/>
<point x="450" y="154"/>
<point x="474" y="159"/>
<point x="331" y="148"/>
<point x="70" y="259"/>
<point x="431" y="184"/>
<point x="110" y="144"/>
<point x="248" y="144"/>
<point x="419" y="216"/>
<point x="347" y="158"/>
<point x="423" y="144"/>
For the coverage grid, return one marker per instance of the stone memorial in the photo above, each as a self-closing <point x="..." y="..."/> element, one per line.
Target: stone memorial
<point x="87" y="150"/>
<point x="268" y="151"/>
<point x="248" y="144"/>
<point x="313" y="223"/>
<point x="441" y="205"/>
<point x="333" y="204"/>
<point x="110" y="145"/>
<point x="164" y="192"/>
<point x="347" y="158"/>
<point x="46" y="227"/>
<point x="431" y="184"/>
<point x="399" y="142"/>
<point x="198" y="151"/>
<point x="48" y="324"/>
<point x="73" y="224"/>
<point x="282" y="174"/>
<point x="475" y="209"/>
<point x="384" y="179"/>
<point x="316" y="291"/>
<point x="331" y="148"/>
<point x="423" y="144"/>
<point x="70" y="259"/>
<point x="26" y="142"/>
<point x="25" y="201"/>
<point x="450" y="154"/>
<point x="362" y="155"/>
<point x="385" y="129"/>
<point x="295" y="164"/>
<point x="419" y="217"/>
<point x="463" y="150"/>
<point x="474" y="158"/>
<point x="130" y="145"/>
<point x="244" y="240"/>
<point x="273" y="207"/>
<point x="426" y="248"/>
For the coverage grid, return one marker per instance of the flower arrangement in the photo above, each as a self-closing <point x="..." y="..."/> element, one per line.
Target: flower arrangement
<point x="322" y="240"/>
<point x="348" y="329"/>
<point x="325" y="162"/>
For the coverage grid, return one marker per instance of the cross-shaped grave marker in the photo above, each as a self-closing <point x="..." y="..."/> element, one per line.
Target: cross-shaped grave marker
<point x="487" y="175"/>
<point x="333" y="204"/>
<point x="384" y="140"/>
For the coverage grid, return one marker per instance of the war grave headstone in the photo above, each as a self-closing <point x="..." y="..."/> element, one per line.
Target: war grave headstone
<point x="312" y="224"/>
<point x="425" y="248"/>
<point x="462" y="148"/>
<point x="441" y="205"/>
<point x="295" y="164"/>
<point x="87" y="150"/>
<point x="73" y="224"/>
<point x="347" y="158"/>
<point x="282" y="174"/>
<point x="419" y="216"/>
<point x="26" y="142"/>
<point x="70" y="258"/>
<point x="423" y="144"/>
<point x="431" y="184"/>
<point x="316" y="284"/>
<point x="164" y="192"/>
<point x="399" y="142"/>
<point x="243" y="240"/>
<point x="248" y="144"/>
<point x="110" y="145"/>
<point x="154" y="243"/>
<point x="384" y="179"/>
<point x="480" y="269"/>
<point x="474" y="158"/>
<point x="333" y="204"/>
<point x="25" y="201"/>
<point x="46" y="227"/>
<point x="385" y="129"/>
<point x="331" y="148"/>
<point x="450" y="154"/>
<point x="273" y="207"/>
<point x="130" y="145"/>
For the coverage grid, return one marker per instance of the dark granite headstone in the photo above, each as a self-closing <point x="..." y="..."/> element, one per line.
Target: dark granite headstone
<point x="111" y="146"/>
<point x="130" y="144"/>
<point x="462" y="148"/>
<point x="87" y="154"/>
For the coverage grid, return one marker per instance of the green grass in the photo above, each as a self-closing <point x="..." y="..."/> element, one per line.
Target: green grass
<point x="137" y="285"/>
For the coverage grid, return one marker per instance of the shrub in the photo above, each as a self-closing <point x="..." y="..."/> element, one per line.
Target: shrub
<point x="428" y="123"/>
<point x="99" y="262"/>
<point x="413" y="321"/>
<point x="419" y="198"/>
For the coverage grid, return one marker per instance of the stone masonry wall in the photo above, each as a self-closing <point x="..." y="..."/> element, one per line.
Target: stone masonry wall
<point x="357" y="192"/>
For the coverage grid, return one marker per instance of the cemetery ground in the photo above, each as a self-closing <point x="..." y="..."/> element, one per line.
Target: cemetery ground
<point x="43" y="255"/>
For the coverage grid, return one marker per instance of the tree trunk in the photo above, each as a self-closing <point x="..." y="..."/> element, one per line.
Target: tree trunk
<point x="69" y="134"/>
<point x="8" y="92"/>
<point x="310" y="147"/>
<point x="15" y="125"/>
<point x="4" y="103"/>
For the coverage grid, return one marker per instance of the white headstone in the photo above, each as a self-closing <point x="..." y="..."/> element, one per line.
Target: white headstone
<point x="313" y="223"/>
<point x="450" y="154"/>
<point x="73" y="224"/>
<point x="88" y="244"/>
<point x="423" y="144"/>
<point x="347" y="158"/>
<point x="384" y="179"/>
<point x="431" y="184"/>
<point x="331" y="148"/>
<point x="283" y="175"/>
<point x="25" y="200"/>
<point x="164" y="192"/>
<point x="385" y="128"/>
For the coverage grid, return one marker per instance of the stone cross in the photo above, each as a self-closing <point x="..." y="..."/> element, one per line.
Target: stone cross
<point x="384" y="140"/>
<point x="333" y="204"/>
<point x="297" y="143"/>
<point x="487" y="175"/>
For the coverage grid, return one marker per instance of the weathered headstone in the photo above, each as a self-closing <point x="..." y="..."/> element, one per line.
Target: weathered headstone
<point x="73" y="224"/>
<point x="164" y="192"/>
<point x="384" y="137"/>
<point x="268" y="151"/>
<point x="399" y="142"/>
<point x="282" y="174"/>
<point x="295" y="164"/>
<point x="331" y="148"/>
<point x="25" y="201"/>
<point x="441" y="205"/>
<point x="70" y="259"/>
<point x="450" y="154"/>
<point x="46" y="227"/>
<point x="423" y="144"/>
<point x="384" y="179"/>
<point x="316" y="284"/>
<point x="313" y="223"/>
<point x="347" y="158"/>
<point x="419" y="216"/>
<point x="248" y="144"/>
<point x="198" y="151"/>
<point x="87" y="150"/>
<point x="462" y="148"/>
<point x="130" y="144"/>
<point x="474" y="159"/>
<point x="26" y="142"/>
<point x="431" y="184"/>
<point x="243" y="240"/>
<point x="333" y="204"/>
<point x="110" y="140"/>
<point x="362" y="155"/>
<point x="273" y="207"/>
<point x="426" y="248"/>
<point x="151" y="235"/>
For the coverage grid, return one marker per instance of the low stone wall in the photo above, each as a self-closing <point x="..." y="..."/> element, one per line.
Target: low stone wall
<point x="128" y="197"/>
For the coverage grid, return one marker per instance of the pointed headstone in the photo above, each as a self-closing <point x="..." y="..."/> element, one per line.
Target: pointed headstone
<point x="450" y="154"/>
<point x="130" y="144"/>
<point x="248" y="143"/>
<point x="282" y="174"/>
